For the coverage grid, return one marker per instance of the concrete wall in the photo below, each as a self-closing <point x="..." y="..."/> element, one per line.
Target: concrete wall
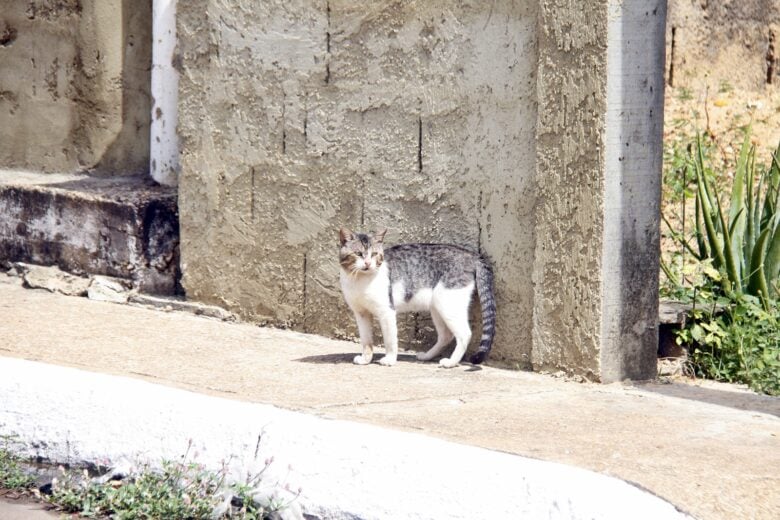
<point x="500" y="126"/>
<point x="299" y="117"/>
<point x="708" y="40"/>
<point x="78" y="95"/>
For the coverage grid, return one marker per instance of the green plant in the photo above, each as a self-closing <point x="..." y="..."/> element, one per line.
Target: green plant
<point x="728" y="261"/>
<point x="741" y="343"/>
<point x="12" y="474"/>
<point x="745" y="243"/>
<point x="684" y="94"/>
<point x="179" y="489"/>
<point x="724" y="87"/>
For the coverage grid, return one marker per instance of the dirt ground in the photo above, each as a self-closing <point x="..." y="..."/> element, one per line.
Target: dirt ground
<point x="722" y="111"/>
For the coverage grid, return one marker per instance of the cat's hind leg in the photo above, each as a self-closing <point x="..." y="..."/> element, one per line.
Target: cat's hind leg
<point x="366" y="338"/>
<point x="453" y="307"/>
<point x="443" y="339"/>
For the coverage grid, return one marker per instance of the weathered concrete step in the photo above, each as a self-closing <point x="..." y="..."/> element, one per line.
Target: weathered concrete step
<point x="125" y="227"/>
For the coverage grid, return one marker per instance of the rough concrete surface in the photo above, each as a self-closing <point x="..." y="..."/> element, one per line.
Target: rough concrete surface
<point x="598" y="163"/>
<point x="712" y="450"/>
<point x="567" y="262"/>
<point x="125" y="227"/>
<point x="735" y="43"/>
<point x="299" y="117"/>
<point x="77" y="98"/>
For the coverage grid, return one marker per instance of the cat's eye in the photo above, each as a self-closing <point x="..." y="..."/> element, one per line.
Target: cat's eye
<point x="373" y="255"/>
<point x="359" y="253"/>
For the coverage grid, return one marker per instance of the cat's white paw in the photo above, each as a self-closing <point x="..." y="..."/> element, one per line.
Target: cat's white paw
<point x="360" y="360"/>
<point x="423" y="356"/>
<point x="447" y="363"/>
<point x="387" y="361"/>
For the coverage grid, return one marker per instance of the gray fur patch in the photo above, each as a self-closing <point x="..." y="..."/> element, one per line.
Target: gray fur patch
<point x="423" y="266"/>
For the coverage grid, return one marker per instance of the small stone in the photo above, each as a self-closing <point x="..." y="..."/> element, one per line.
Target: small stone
<point x="106" y="289"/>
<point x="52" y="279"/>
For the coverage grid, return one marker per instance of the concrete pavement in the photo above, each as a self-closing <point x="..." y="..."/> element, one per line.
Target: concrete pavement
<point x="21" y="510"/>
<point x="711" y="450"/>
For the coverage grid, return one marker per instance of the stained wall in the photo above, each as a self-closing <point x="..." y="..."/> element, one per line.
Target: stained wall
<point x="299" y="117"/>
<point x="74" y="86"/>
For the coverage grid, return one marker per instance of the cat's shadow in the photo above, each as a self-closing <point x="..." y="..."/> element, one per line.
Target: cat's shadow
<point x="346" y="358"/>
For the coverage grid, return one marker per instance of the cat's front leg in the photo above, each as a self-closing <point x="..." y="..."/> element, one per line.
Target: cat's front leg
<point x="366" y="338"/>
<point x="390" y="337"/>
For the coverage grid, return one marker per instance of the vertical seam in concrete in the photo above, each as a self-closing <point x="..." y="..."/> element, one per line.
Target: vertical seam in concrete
<point x="327" y="44"/>
<point x="305" y="294"/>
<point x="479" y="222"/>
<point x="363" y="201"/>
<point x="252" y="195"/>
<point x="770" y="58"/>
<point x="284" y="124"/>
<point x="419" y="145"/>
<point x="305" y="122"/>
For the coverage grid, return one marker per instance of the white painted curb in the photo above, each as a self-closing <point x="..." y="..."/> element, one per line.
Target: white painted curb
<point x="347" y="470"/>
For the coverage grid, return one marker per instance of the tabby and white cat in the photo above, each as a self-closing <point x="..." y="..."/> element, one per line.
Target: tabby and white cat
<point x="439" y="278"/>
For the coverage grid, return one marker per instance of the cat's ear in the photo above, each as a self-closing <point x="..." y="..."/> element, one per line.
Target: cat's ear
<point x="379" y="236"/>
<point x="345" y="235"/>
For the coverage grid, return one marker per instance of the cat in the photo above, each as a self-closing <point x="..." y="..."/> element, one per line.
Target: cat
<point x="439" y="278"/>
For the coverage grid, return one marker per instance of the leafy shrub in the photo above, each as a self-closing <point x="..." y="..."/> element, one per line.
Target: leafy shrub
<point x="738" y="343"/>
<point x="732" y="269"/>
<point x="12" y="474"/>
<point x="181" y="489"/>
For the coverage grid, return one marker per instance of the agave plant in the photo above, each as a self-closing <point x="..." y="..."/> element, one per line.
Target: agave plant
<point x="744" y="245"/>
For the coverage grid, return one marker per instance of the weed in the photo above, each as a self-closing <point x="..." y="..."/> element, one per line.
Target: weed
<point x="684" y="94"/>
<point x="177" y="489"/>
<point x="180" y="489"/>
<point x="12" y="474"/>
<point x="739" y="344"/>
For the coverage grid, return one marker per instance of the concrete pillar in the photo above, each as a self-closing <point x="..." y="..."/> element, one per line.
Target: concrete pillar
<point x="632" y="191"/>
<point x="164" y="143"/>
<point x="599" y="156"/>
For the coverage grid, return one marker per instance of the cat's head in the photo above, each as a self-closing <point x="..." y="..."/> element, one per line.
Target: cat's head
<point x="361" y="253"/>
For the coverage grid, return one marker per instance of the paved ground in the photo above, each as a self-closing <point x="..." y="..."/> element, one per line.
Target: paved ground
<point x="24" y="510"/>
<point x="712" y="450"/>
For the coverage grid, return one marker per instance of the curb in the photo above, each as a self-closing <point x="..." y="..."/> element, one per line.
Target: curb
<point x="346" y="470"/>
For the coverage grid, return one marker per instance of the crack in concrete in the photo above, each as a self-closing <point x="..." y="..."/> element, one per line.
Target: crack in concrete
<point x="770" y="58"/>
<point x="327" y="46"/>
<point x="419" y="145"/>
<point x="252" y="197"/>
<point x="479" y="222"/>
<point x="305" y="293"/>
<point x="463" y="398"/>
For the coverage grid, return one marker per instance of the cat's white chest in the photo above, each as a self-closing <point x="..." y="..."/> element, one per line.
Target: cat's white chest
<point x="367" y="293"/>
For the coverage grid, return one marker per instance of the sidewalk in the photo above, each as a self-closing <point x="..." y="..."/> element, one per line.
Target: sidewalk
<point x="21" y="510"/>
<point x="711" y="450"/>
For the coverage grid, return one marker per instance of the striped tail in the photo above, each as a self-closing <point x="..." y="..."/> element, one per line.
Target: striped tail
<point x="487" y="301"/>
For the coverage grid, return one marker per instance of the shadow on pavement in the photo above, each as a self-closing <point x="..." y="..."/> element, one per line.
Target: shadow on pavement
<point x="740" y="400"/>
